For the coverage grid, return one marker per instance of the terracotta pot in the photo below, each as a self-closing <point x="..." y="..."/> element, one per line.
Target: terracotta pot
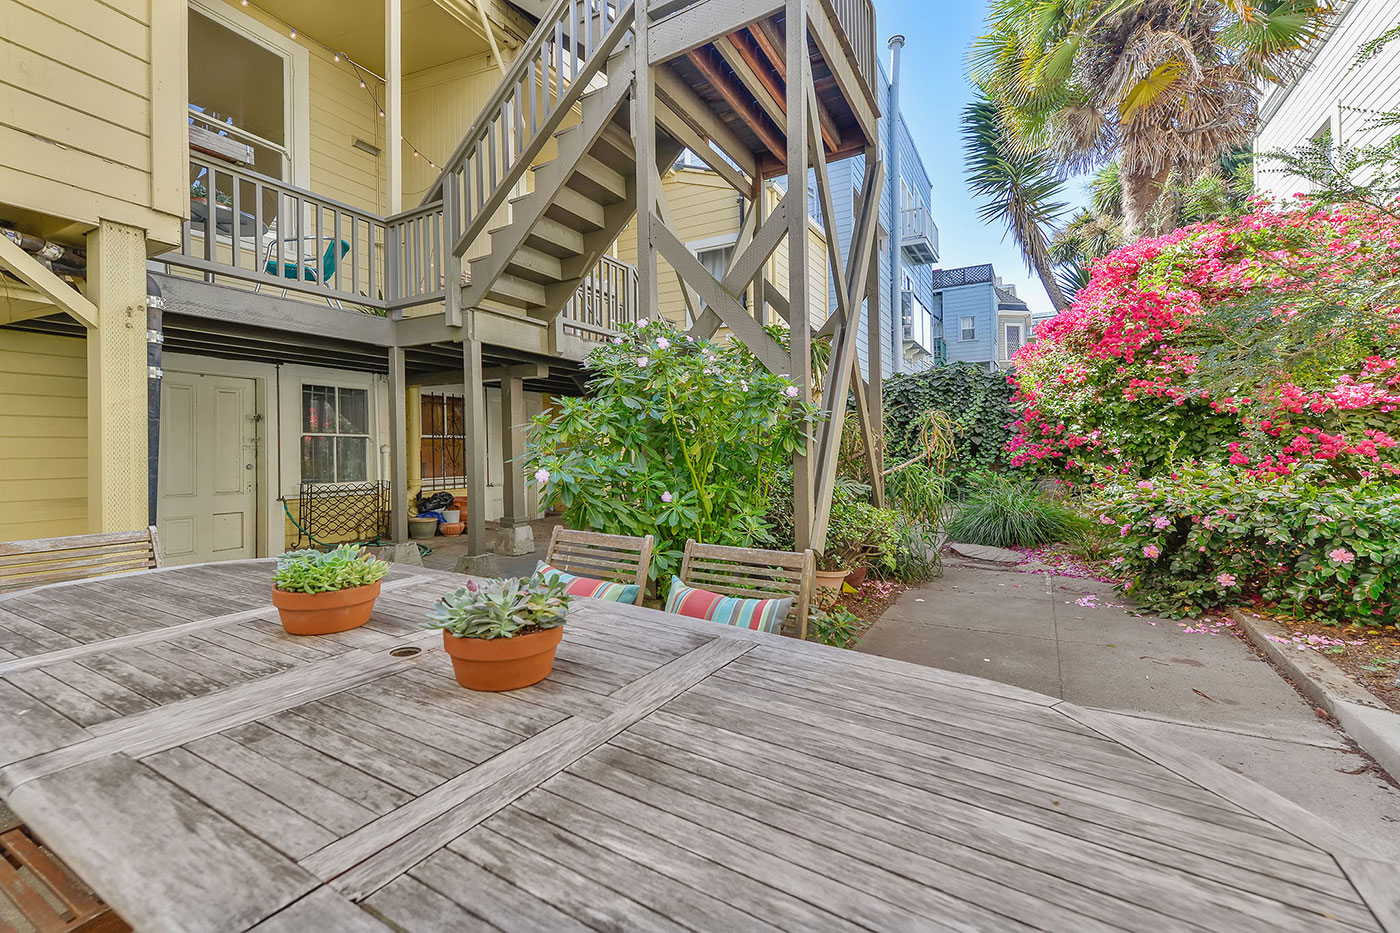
<point x="460" y="504"/>
<point x="831" y="579"/>
<point x="325" y="613"/>
<point x="452" y="529"/>
<point x="502" y="663"/>
<point x="857" y="577"/>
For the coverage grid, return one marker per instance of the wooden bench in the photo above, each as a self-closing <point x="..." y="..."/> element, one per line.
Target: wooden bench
<point x="24" y="564"/>
<point x="616" y="558"/>
<point x="754" y="573"/>
<point x="46" y="893"/>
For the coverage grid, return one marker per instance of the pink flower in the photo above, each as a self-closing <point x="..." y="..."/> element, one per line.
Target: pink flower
<point x="1145" y="484"/>
<point x="1107" y="519"/>
<point x="1123" y="531"/>
<point x="666" y="497"/>
<point x="662" y="343"/>
<point x="790" y="391"/>
<point x="1161" y="523"/>
<point x="541" y="475"/>
<point x="1151" y="552"/>
<point x="1341" y="555"/>
<point x="642" y="362"/>
<point x="1225" y="579"/>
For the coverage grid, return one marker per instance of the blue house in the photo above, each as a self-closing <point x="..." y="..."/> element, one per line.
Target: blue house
<point x="983" y="320"/>
<point x="909" y="335"/>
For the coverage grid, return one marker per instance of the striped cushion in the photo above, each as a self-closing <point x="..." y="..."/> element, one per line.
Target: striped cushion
<point x="587" y="586"/>
<point x="761" y="615"/>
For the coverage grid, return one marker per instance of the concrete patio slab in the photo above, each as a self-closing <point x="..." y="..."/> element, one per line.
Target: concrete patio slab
<point x="1196" y="684"/>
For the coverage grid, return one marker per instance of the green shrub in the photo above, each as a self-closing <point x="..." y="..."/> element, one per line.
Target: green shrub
<point x="1003" y="511"/>
<point x="1209" y="536"/>
<point x="502" y="608"/>
<point x="976" y="400"/>
<point x="837" y="627"/>
<point x="342" y="568"/>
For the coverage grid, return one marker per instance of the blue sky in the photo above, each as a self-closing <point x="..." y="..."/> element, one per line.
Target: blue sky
<point x="933" y="91"/>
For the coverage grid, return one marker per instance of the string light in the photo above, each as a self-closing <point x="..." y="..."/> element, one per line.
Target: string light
<point x="359" y="70"/>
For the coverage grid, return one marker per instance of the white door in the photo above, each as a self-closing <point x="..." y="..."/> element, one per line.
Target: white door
<point x="208" y="468"/>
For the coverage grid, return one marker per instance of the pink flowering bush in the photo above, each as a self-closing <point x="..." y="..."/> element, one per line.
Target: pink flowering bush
<point x="1207" y="536"/>
<point x="1269" y="341"/>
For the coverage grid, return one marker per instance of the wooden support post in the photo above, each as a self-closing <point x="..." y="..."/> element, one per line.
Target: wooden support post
<point x="644" y="139"/>
<point x="474" y="417"/>
<point x="452" y="262"/>
<point x="874" y="408"/>
<point x="393" y="103"/>
<point x="118" y="464"/>
<point x="799" y="75"/>
<point x="413" y="448"/>
<point x="517" y="538"/>
<point x="760" y="313"/>
<point x="398" y="447"/>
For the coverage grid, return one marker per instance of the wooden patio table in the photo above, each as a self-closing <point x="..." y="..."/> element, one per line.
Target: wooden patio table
<point x="205" y="771"/>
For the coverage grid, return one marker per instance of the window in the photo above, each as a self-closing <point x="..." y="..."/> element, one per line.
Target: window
<point x="1013" y="340"/>
<point x="443" y="447"/>
<point x="334" y="434"/>
<point x="969" y="327"/>
<point x="716" y="261"/>
<point x="238" y="88"/>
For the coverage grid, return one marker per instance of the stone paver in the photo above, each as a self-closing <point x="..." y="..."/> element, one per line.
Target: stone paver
<point x="1205" y="690"/>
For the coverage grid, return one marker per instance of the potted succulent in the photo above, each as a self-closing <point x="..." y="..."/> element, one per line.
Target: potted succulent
<point x="318" y="593"/>
<point x="502" y="634"/>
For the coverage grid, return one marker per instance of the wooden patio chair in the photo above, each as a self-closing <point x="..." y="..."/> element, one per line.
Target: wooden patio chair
<point x="615" y="558"/>
<point x="46" y="893"/>
<point x="754" y="573"/>
<point x="54" y="560"/>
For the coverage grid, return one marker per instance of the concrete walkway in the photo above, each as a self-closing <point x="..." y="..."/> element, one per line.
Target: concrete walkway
<point x="1197" y="684"/>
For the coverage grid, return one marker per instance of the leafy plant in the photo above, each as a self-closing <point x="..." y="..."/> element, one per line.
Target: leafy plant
<point x="676" y="437"/>
<point x="342" y="568"/>
<point x="837" y="627"/>
<point x="922" y="410"/>
<point x="502" y="608"/>
<point x="1209" y="535"/>
<point x="916" y="557"/>
<point x="1012" y="512"/>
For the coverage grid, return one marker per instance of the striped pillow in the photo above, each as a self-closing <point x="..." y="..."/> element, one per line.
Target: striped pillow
<point x="761" y="615"/>
<point x="587" y="586"/>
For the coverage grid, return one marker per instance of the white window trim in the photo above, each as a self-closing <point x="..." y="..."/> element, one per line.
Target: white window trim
<point x="296" y="81"/>
<point x="962" y="331"/>
<point x="292" y="379"/>
<point x="1006" y="351"/>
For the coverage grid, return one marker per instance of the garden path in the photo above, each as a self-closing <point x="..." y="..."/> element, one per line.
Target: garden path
<point x="1193" y="683"/>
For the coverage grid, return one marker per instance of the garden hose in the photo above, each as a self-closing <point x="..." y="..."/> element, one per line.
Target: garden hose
<point x="423" y="549"/>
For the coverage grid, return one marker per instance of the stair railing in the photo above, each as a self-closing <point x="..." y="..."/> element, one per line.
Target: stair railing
<point x="554" y="67"/>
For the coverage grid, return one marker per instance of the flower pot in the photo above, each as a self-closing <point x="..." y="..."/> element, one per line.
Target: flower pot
<point x="452" y="529"/>
<point x="831" y="579"/>
<point x="325" y="613"/>
<point x="460" y="504"/>
<point x="451" y="516"/>
<point x="420" y="529"/>
<point x="857" y="577"/>
<point x="497" y="664"/>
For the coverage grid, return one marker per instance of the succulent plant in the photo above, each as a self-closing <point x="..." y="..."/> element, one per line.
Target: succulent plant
<point x="341" y="568"/>
<point x="501" y="608"/>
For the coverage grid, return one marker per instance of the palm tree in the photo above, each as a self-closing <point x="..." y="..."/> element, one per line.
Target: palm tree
<point x="1163" y="86"/>
<point x="1020" y="189"/>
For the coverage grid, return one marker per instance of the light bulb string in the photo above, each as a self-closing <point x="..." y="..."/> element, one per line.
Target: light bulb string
<point x="360" y="71"/>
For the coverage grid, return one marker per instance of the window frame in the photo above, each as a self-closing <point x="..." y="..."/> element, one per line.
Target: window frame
<point x="963" y="329"/>
<point x="454" y="481"/>
<point x="1006" y="351"/>
<point x="368" y="435"/>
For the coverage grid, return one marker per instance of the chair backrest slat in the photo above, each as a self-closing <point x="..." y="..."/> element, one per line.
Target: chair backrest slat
<point x="754" y="573"/>
<point x="616" y="558"/>
<point x="25" y="564"/>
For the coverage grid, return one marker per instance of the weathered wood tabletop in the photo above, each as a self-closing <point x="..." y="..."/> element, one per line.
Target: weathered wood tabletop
<point x="205" y="771"/>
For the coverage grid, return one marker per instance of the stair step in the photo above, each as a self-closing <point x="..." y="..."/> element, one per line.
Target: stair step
<point x="534" y="266"/>
<point x="615" y="148"/>
<point x="575" y="209"/>
<point x="601" y="183"/>
<point x="549" y="237"/>
<point x="516" y="291"/>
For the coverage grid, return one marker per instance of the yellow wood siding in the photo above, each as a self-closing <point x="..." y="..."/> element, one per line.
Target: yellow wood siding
<point x="92" y="118"/>
<point x="43" y="435"/>
<point x="439" y="106"/>
<point x="706" y="209"/>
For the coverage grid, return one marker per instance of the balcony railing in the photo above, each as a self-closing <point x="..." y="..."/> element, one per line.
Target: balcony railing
<point x="277" y="236"/>
<point x="919" y="235"/>
<point x="857" y="21"/>
<point x="606" y="300"/>
<point x="246" y="227"/>
<point x="918" y="325"/>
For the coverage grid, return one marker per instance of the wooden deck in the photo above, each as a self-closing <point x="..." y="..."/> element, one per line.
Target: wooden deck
<point x="206" y="772"/>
